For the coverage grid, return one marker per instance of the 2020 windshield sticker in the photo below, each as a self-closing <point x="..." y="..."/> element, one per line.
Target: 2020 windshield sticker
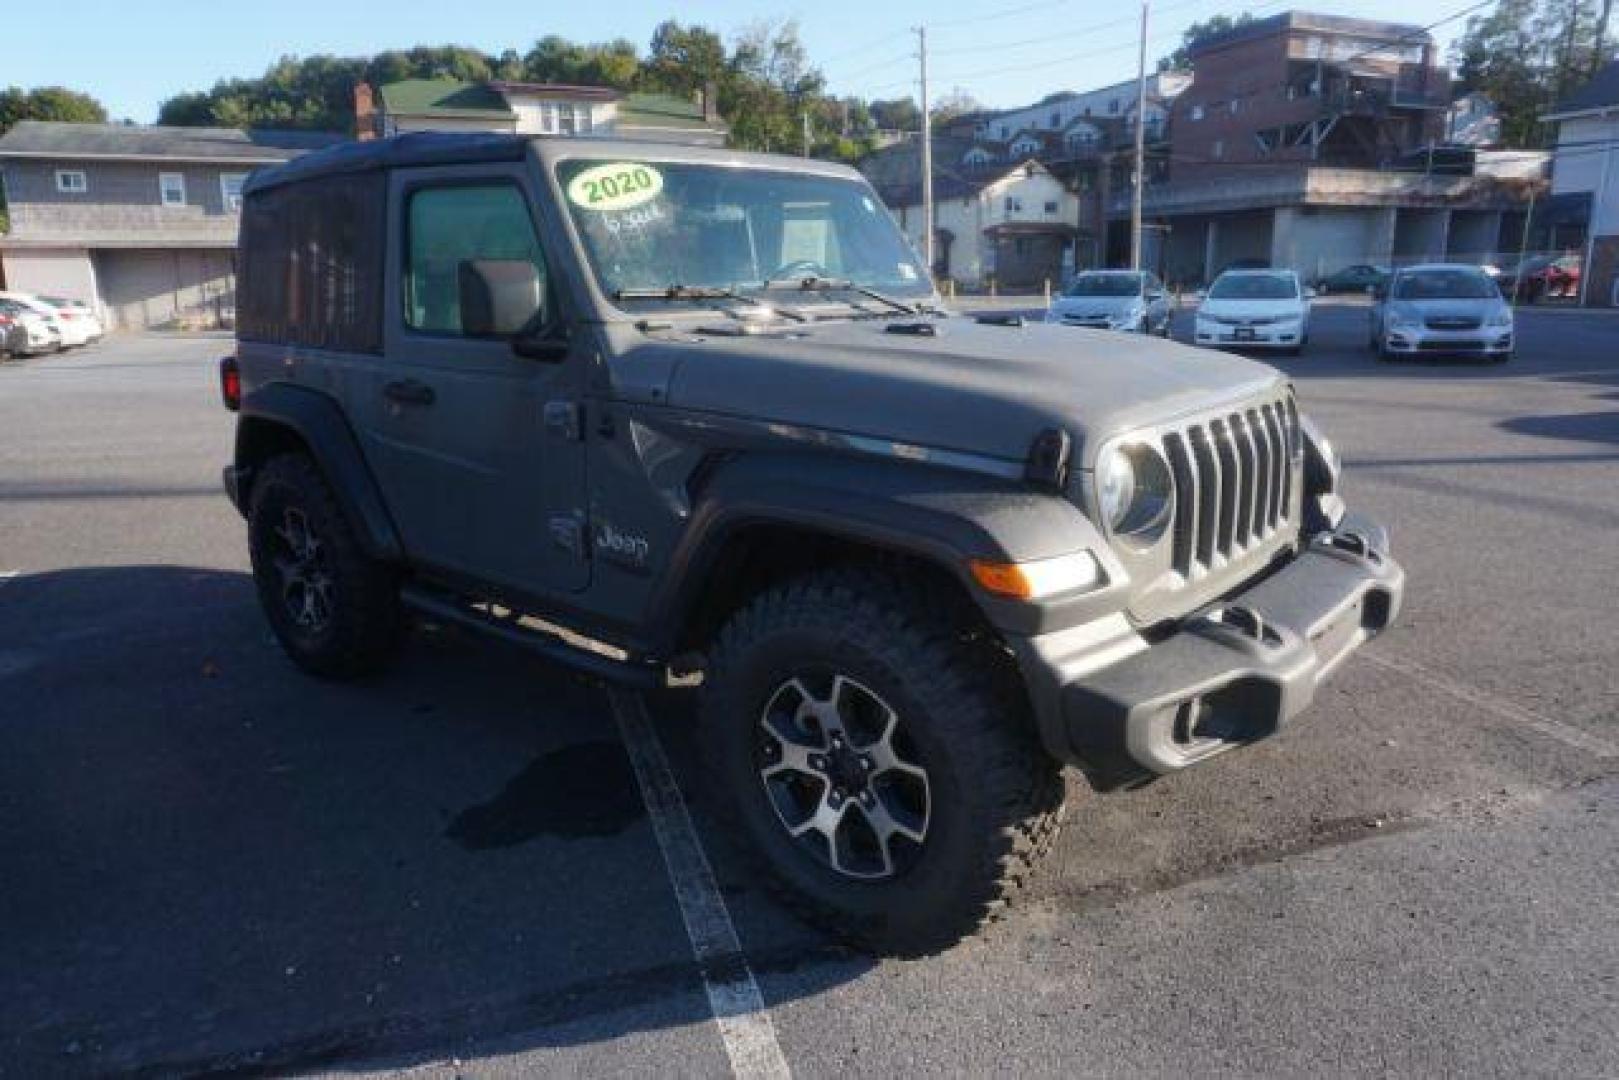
<point x="617" y="185"/>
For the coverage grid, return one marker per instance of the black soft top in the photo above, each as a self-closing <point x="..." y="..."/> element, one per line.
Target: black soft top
<point x="415" y="148"/>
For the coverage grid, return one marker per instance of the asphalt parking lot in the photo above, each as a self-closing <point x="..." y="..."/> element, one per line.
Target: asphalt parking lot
<point x="213" y="863"/>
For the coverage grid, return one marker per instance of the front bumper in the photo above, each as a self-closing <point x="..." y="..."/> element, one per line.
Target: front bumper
<point x="1483" y="341"/>
<point x="1287" y="335"/>
<point x="1126" y="709"/>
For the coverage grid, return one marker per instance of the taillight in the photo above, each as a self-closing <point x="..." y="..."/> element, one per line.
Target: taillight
<point x="230" y="383"/>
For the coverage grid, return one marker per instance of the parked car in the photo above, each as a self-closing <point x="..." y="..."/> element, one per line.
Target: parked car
<point x="1128" y="300"/>
<point x="1360" y="278"/>
<point x="80" y="315"/>
<point x="39" y="333"/>
<point x="1245" y="263"/>
<point x="13" y="336"/>
<point x="69" y="330"/>
<point x="1441" y="308"/>
<point x="703" y="410"/>
<point x="1255" y="309"/>
<point x="1541" y="276"/>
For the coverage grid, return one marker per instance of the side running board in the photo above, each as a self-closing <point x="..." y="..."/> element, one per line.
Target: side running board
<point x="554" y="643"/>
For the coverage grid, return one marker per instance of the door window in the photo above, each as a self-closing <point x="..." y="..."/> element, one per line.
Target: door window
<point x="479" y="234"/>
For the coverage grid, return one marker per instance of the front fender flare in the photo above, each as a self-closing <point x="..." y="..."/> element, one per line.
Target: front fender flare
<point x="943" y="516"/>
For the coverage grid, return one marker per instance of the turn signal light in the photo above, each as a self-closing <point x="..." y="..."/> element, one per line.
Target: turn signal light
<point x="1037" y="579"/>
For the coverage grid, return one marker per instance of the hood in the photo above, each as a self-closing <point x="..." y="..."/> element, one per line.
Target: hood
<point x="1245" y="308"/>
<point x="973" y="388"/>
<point x="1095" y="305"/>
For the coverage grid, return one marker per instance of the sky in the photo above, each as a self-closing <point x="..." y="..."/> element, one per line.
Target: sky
<point x="1003" y="53"/>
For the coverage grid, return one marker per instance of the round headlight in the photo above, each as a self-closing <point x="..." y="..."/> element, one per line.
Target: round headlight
<point x="1136" y="492"/>
<point x="1116" y="486"/>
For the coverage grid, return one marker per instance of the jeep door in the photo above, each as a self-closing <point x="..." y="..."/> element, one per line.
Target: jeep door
<point x="478" y="450"/>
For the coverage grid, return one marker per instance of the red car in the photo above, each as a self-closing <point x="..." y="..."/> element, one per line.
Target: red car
<point x="1541" y="276"/>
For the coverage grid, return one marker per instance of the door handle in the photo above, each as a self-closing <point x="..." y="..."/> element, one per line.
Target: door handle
<point x="409" y="392"/>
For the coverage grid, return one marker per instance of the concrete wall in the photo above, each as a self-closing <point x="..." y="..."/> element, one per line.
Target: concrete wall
<point x="1420" y="235"/>
<point x="1317" y="241"/>
<point x="149" y="288"/>
<point x="51" y="272"/>
<point x="1475" y="235"/>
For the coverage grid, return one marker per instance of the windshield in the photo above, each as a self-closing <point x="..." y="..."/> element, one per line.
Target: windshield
<point x="1446" y="285"/>
<point x="652" y="225"/>
<point x="1255" y="287"/>
<point x="1106" y="285"/>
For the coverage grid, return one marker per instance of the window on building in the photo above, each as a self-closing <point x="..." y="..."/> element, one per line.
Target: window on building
<point x="1197" y="112"/>
<point x="72" y="181"/>
<point x="1014" y="205"/>
<point x="1051" y="207"/>
<point x="1219" y="149"/>
<point x="1113" y="106"/>
<point x="171" y="187"/>
<point x="1235" y="102"/>
<point x="230" y="190"/>
<point x="450" y="227"/>
<point x="1056" y="118"/>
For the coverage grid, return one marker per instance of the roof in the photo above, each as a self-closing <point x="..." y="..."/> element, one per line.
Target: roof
<point x="49" y="139"/>
<point x="1602" y="92"/>
<point x="662" y="110"/>
<point x="456" y="148"/>
<point x="558" y="90"/>
<point x="444" y="97"/>
<point x="1310" y="20"/>
<point x="416" y="148"/>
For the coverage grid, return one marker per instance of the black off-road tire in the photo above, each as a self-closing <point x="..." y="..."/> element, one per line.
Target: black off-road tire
<point x="363" y="629"/>
<point x="997" y="797"/>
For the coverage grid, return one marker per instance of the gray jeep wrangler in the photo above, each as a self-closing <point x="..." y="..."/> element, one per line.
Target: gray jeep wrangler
<point x="645" y="409"/>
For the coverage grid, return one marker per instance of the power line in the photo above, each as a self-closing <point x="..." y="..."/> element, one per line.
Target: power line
<point x="1084" y="31"/>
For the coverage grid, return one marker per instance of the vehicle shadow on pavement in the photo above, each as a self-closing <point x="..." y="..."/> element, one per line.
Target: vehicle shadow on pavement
<point x="1600" y="427"/>
<point x="216" y="862"/>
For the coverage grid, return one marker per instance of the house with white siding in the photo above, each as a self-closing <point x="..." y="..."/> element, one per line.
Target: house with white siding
<point x="1585" y="174"/>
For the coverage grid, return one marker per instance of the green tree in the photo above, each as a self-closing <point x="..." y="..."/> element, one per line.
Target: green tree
<point x="1526" y="55"/>
<point x="1181" y="58"/>
<point x="48" y="103"/>
<point x="44" y="103"/>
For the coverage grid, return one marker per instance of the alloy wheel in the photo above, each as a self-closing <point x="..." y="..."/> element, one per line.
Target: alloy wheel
<point x="299" y="557"/>
<point x="842" y="776"/>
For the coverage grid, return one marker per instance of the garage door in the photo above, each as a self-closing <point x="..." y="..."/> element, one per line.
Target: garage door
<point x="167" y="288"/>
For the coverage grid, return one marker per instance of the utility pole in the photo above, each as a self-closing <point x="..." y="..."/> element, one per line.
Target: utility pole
<point x="1141" y="144"/>
<point x="927" y="153"/>
<point x="805" y="116"/>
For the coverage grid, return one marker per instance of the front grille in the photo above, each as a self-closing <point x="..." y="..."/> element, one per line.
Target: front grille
<point x="1454" y="322"/>
<point x="1246" y="320"/>
<point x="1449" y="346"/>
<point x="1233" y="482"/>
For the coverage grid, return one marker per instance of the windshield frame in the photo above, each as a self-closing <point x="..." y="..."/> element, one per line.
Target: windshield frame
<point x="1139" y="292"/>
<point x="553" y="154"/>
<point x="1492" y="290"/>
<point x="1238" y="275"/>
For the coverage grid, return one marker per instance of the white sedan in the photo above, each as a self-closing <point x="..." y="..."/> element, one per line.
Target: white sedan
<point x="70" y="329"/>
<point x="1256" y="309"/>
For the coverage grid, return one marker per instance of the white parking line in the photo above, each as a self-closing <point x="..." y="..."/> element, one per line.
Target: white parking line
<point x="1505" y="710"/>
<point x="733" y="995"/>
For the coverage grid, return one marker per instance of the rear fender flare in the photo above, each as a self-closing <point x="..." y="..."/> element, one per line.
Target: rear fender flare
<point x="319" y="423"/>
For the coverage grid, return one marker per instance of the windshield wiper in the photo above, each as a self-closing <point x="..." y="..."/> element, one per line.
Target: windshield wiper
<point x="816" y="283"/>
<point x="702" y="292"/>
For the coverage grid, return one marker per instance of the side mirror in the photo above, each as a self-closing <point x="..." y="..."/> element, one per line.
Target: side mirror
<point x="499" y="297"/>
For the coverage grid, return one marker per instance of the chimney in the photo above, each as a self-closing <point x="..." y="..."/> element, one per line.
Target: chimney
<point x="711" y="101"/>
<point x="365" y="112"/>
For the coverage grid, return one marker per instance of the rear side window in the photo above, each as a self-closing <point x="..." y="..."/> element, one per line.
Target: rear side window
<point x="447" y="228"/>
<point x="310" y="268"/>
